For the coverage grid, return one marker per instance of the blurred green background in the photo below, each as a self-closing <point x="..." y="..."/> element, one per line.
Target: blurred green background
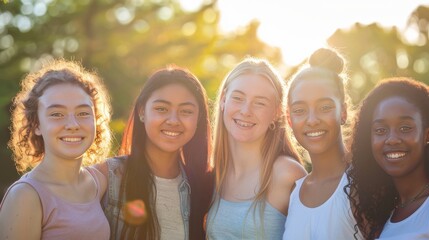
<point x="126" y="40"/>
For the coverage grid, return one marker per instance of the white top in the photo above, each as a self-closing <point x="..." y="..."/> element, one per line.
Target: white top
<point x="331" y="220"/>
<point x="168" y="208"/>
<point x="416" y="226"/>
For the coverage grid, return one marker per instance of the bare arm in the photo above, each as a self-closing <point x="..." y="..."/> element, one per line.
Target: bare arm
<point x="21" y="214"/>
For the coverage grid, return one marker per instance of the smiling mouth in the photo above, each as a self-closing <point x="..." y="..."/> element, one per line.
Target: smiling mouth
<point x="315" y="134"/>
<point x="171" y="133"/>
<point x="395" y="155"/>
<point x="72" y="139"/>
<point x="243" y="124"/>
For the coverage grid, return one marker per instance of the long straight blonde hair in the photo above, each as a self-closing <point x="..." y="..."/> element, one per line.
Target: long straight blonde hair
<point x="276" y="142"/>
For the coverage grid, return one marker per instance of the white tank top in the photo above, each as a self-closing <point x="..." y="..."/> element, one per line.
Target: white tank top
<point x="415" y="226"/>
<point x="168" y="208"/>
<point x="331" y="220"/>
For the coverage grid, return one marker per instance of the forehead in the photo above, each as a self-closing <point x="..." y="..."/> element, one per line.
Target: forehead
<point x="396" y="107"/>
<point x="313" y="89"/>
<point x="66" y="95"/>
<point x="173" y="93"/>
<point x="253" y="85"/>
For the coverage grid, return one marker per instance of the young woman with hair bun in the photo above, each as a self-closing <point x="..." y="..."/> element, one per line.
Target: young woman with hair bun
<point x="317" y="111"/>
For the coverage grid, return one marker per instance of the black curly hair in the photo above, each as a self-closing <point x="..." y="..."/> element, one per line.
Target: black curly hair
<point x="370" y="189"/>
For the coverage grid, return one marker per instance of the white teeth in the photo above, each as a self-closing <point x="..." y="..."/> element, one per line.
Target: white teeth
<point x="70" y="139"/>
<point x="244" y="124"/>
<point x="315" y="134"/>
<point x="171" y="134"/>
<point x="395" y="155"/>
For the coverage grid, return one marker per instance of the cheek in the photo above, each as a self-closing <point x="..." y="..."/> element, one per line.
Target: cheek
<point x="377" y="143"/>
<point x="191" y="123"/>
<point x="295" y="121"/>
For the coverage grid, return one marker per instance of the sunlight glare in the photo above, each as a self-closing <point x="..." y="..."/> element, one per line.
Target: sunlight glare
<point x="300" y="27"/>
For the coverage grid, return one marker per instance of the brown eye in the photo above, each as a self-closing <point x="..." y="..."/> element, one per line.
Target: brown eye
<point x="405" y="128"/>
<point x="161" y="109"/>
<point x="56" y="114"/>
<point x="379" y="131"/>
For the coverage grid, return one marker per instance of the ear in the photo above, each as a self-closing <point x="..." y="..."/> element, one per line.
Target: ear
<point x="141" y="115"/>
<point x="37" y="131"/>
<point x="222" y="103"/>
<point x="343" y="113"/>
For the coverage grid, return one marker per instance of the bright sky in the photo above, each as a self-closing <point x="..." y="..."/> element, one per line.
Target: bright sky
<point x="299" y="27"/>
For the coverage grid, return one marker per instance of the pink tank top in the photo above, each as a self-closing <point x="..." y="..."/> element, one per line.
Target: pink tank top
<point x="65" y="220"/>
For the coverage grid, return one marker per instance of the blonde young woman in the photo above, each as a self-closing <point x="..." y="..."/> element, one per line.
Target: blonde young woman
<point x="255" y="166"/>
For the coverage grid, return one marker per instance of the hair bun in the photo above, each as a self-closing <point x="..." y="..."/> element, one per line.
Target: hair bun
<point x="327" y="58"/>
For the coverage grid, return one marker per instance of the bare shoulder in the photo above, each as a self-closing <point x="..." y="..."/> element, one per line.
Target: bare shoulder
<point x="21" y="193"/>
<point x="287" y="170"/>
<point x="21" y="213"/>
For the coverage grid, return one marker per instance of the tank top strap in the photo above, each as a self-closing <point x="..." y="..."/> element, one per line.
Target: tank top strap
<point x="299" y="182"/>
<point x="47" y="200"/>
<point x="92" y="171"/>
<point x="42" y="191"/>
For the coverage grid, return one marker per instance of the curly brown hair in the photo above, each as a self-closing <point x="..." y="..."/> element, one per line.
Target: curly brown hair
<point x="27" y="147"/>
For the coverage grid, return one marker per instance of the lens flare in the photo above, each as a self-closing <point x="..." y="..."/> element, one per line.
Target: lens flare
<point x="134" y="212"/>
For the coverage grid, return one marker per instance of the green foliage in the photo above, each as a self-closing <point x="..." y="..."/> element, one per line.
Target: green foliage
<point x="123" y="40"/>
<point x="126" y="40"/>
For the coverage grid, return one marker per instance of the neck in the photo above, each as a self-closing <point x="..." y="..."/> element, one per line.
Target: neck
<point x="164" y="165"/>
<point x="410" y="186"/>
<point x="245" y="158"/>
<point x="59" y="171"/>
<point x="330" y="163"/>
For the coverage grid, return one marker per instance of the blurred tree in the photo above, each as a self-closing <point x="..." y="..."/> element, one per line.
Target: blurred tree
<point x="371" y="55"/>
<point x="123" y="40"/>
<point x="374" y="52"/>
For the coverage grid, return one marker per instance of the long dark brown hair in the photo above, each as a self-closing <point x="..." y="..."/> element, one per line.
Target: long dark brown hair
<point x="138" y="180"/>
<point x="371" y="190"/>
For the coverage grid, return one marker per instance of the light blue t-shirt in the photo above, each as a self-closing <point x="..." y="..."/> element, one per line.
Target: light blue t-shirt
<point x="240" y="220"/>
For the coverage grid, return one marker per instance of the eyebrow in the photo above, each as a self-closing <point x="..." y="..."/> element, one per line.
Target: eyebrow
<point x="169" y="103"/>
<point x="318" y="100"/>
<point x="379" y="120"/>
<point x="261" y="97"/>
<point x="63" y="106"/>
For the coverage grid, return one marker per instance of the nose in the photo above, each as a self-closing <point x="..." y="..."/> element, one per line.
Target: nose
<point x="393" y="138"/>
<point x="72" y="123"/>
<point x="312" y="119"/>
<point x="173" y="118"/>
<point x="246" y="109"/>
